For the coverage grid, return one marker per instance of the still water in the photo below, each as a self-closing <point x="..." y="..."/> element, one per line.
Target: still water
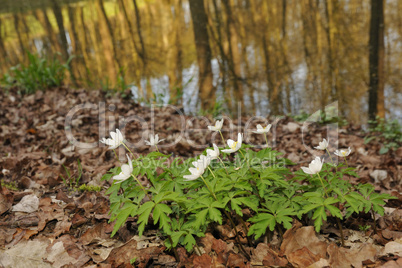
<point x="275" y="57"/>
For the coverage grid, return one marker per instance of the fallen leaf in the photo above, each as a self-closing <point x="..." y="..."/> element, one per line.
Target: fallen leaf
<point x="6" y="199"/>
<point x="66" y="251"/>
<point x="203" y="261"/>
<point x="302" y="257"/>
<point x="343" y="257"/>
<point x="28" y="204"/>
<point x="320" y="264"/>
<point x="393" y="247"/>
<point x="297" y="238"/>
<point x="32" y="252"/>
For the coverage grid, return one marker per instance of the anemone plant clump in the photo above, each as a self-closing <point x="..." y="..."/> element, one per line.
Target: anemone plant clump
<point x="192" y="195"/>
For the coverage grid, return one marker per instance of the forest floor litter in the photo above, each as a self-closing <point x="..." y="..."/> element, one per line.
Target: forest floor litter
<point x="45" y="222"/>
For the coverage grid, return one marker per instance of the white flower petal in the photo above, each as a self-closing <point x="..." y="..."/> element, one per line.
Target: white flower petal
<point x="217" y="127"/>
<point x="314" y="167"/>
<point x="191" y="177"/>
<point x="230" y="142"/>
<point x="307" y="170"/>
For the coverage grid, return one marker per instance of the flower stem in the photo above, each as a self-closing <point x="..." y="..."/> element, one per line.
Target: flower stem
<point x="346" y="161"/>
<point x="210" y="190"/>
<point x="330" y="157"/>
<point x="115" y="154"/>
<point x="242" y="154"/>
<point x="142" y="187"/>
<point x="266" y="140"/>
<point x="223" y="139"/>
<point x="325" y="190"/>
<point x="247" y="160"/>
<point x="220" y="159"/>
<point x="156" y="146"/>
<point x="128" y="149"/>
<point x="212" y="172"/>
<point x="375" y="227"/>
<point x="341" y="231"/>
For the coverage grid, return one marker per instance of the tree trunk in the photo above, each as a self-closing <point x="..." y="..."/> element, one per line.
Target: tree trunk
<point x="234" y="54"/>
<point x="376" y="60"/>
<point x="62" y="32"/>
<point x="200" y="21"/>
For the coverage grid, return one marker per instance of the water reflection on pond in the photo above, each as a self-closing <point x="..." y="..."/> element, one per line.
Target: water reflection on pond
<point x="271" y="56"/>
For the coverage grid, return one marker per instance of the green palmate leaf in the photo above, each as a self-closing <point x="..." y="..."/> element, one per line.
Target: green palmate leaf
<point x="243" y="185"/>
<point x="125" y="212"/>
<point x="215" y="215"/>
<point x="318" y="217"/>
<point x="250" y="201"/>
<point x="199" y="219"/>
<point x="176" y="237"/>
<point x="164" y="223"/>
<point x="165" y="196"/>
<point x="354" y="201"/>
<point x="262" y="221"/>
<point x="330" y="200"/>
<point x="110" y="174"/>
<point x="160" y="210"/>
<point x="377" y="201"/>
<point x="136" y="193"/>
<point x="114" y="188"/>
<point x="283" y="217"/>
<point x="189" y="242"/>
<point x="144" y="212"/>
<point x="235" y="205"/>
<point x="334" y="211"/>
<point x="365" y="189"/>
<point x="268" y="154"/>
<point x="222" y="186"/>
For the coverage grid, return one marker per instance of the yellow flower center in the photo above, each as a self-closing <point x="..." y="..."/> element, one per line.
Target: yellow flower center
<point x="234" y="145"/>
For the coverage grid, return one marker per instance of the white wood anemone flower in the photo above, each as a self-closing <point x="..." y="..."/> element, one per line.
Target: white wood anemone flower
<point x="153" y="140"/>
<point x="198" y="169"/>
<point x="322" y="145"/>
<point x="126" y="171"/>
<point x="217" y="127"/>
<point x="213" y="154"/>
<point x="343" y="152"/>
<point x="234" y="145"/>
<point x="116" y="140"/>
<point x="314" y="167"/>
<point x="262" y="130"/>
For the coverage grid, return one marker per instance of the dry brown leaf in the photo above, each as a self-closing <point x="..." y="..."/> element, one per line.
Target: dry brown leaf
<point x="297" y="238"/>
<point x="203" y="261"/>
<point x="393" y="247"/>
<point x="6" y="199"/>
<point x="124" y="253"/>
<point x="302" y="257"/>
<point x="342" y="257"/>
<point x="264" y="255"/>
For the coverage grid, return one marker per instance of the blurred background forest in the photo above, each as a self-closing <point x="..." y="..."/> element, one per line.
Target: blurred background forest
<point x="277" y="57"/>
